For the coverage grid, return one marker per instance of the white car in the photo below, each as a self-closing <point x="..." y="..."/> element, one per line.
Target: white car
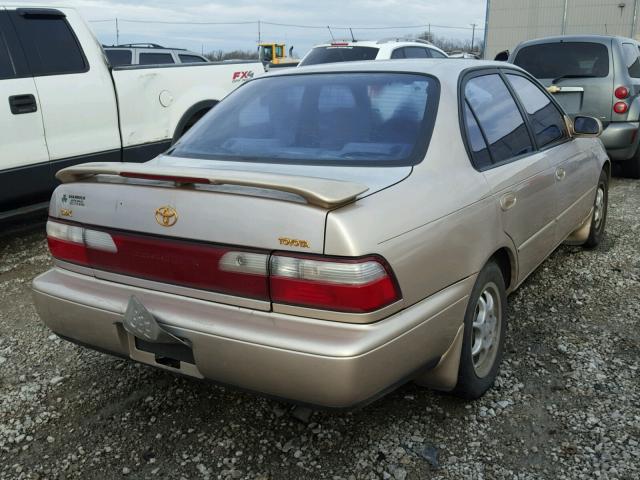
<point x="388" y="49"/>
<point x="63" y="104"/>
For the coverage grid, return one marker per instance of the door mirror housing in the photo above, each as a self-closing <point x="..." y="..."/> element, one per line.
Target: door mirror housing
<point x="502" y="56"/>
<point x="586" y="126"/>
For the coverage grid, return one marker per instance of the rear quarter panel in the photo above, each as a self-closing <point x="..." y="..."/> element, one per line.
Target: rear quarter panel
<point x="153" y="100"/>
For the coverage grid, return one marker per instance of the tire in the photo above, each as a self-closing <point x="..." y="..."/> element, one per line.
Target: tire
<point x="631" y="168"/>
<point x="599" y="216"/>
<point x="478" y="371"/>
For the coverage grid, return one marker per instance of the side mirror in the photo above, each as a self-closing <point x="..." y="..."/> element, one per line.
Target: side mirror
<point x="586" y="126"/>
<point x="502" y="56"/>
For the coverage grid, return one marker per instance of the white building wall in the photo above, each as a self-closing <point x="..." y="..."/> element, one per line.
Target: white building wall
<point x="510" y="22"/>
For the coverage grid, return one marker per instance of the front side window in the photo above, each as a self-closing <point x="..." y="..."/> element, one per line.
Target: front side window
<point x="498" y="117"/>
<point x="334" y="54"/>
<point x="50" y="45"/>
<point x="119" y="57"/>
<point x="155" y="58"/>
<point x="545" y="119"/>
<point x="6" y="64"/>
<point x="564" y="60"/>
<point x="333" y="119"/>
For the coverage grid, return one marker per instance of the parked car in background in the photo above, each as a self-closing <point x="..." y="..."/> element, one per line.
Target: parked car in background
<point x="349" y="51"/>
<point x="63" y="104"/>
<point x="596" y="75"/>
<point x="149" y="54"/>
<point x="325" y="234"/>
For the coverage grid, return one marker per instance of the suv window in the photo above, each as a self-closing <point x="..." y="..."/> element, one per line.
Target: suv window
<point x="436" y="53"/>
<point x="630" y="52"/>
<point x="339" y="54"/>
<point x="191" y="59"/>
<point x="416" y="52"/>
<point x="565" y="59"/>
<point x="49" y="43"/>
<point x="155" y="58"/>
<point x="545" y="119"/>
<point x="499" y="119"/>
<point x="119" y="57"/>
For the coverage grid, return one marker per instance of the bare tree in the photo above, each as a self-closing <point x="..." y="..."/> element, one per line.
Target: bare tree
<point x="220" y="55"/>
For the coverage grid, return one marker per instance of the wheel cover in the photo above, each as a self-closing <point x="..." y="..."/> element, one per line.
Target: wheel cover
<point x="598" y="207"/>
<point x="487" y="321"/>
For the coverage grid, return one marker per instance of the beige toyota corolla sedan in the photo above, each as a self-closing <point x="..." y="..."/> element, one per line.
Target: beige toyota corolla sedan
<point x="327" y="233"/>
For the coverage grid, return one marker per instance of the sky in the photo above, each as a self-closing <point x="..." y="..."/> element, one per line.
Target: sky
<point x="354" y="13"/>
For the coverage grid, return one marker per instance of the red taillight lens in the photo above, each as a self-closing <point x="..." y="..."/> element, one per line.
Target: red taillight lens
<point x="621" y="92"/>
<point x="358" y="286"/>
<point x="620" y="107"/>
<point x="178" y="262"/>
<point x="343" y="285"/>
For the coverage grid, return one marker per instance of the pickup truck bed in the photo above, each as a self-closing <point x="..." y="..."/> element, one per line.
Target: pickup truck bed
<point x="66" y="105"/>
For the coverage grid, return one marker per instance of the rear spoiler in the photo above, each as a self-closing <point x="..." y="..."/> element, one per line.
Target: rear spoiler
<point x="322" y="192"/>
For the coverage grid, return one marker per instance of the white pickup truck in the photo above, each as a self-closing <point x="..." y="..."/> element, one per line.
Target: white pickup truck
<point x="61" y="103"/>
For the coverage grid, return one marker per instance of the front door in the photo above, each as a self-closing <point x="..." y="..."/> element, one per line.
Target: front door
<point x="24" y="161"/>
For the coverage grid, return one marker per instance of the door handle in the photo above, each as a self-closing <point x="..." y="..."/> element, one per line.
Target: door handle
<point x="560" y="173"/>
<point x="508" y="200"/>
<point x="20" y="104"/>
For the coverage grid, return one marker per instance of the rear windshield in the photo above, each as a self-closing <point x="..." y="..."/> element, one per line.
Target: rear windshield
<point x="332" y="119"/>
<point x="339" y="54"/>
<point x="565" y="59"/>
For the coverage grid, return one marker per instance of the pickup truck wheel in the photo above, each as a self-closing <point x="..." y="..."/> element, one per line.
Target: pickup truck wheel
<point x="599" y="216"/>
<point x="483" y="338"/>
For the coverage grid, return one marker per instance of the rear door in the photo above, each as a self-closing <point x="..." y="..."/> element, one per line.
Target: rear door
<point x="24" y="162"/>
<point x="77" y="97"/>
<point x="578" y="73"/>
<point x="521" y="179"/>
<point x="576" y="167"/>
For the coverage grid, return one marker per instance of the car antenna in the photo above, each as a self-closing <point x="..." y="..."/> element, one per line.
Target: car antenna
<point x="331" y="33"/>
<point x="353" y="39"/>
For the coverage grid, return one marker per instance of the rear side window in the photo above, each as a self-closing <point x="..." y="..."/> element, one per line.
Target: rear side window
<point x="436" y="54"/>
<point x="630" y="52"/>
<point x="191" y="59"/>
<point x="498" y="118"/>
<point x="50" y="45"/>
<point x="119" y="57"/>
<point x="545" y="119"/>
<point x="339" y="54"/>
<point x="320" y="119"/>
<point x="155" y="58"/>
<point x="565" y="60"/>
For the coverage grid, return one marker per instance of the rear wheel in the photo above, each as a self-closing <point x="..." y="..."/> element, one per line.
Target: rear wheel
<point x="631" y="168"/>
<point x="483" y="338"/>
<point x="599" y="216"/>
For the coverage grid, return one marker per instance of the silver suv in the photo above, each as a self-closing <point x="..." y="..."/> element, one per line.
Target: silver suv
<point x="595" y="75"/>
<point x="149" y="54"/>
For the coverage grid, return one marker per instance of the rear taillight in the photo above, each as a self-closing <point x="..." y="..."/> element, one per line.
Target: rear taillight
<point x="344" y="285"/>
<point x="620" y="107"/>
<point x="621" y="93"/>
<point x="359" y="286"/>
<point x="179" y="262"/>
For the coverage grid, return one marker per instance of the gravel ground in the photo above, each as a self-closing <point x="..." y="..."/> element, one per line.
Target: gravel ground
<point x="566" y="403"/>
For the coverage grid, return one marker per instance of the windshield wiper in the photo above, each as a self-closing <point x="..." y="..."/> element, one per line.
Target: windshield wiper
<point x="572" y="75"/>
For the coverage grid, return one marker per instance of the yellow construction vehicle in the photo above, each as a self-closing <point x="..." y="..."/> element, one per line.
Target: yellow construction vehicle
<point x="274" y="54"/>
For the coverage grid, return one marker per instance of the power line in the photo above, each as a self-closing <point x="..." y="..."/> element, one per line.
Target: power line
<point x="291" y="25"/>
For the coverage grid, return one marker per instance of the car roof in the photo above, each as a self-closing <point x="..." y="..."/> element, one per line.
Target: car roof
<point x="598" y="38"/>
<point x="446" y="69"/>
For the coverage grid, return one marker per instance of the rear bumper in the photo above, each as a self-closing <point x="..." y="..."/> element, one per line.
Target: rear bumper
<point x="621" y="139"/>
<point x="318" y="362"/>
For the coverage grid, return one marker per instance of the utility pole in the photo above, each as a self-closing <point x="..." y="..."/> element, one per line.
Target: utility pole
<point x="117" y="33"/>
<point x="473" y="35"/>
<point x="259" y="33"/>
